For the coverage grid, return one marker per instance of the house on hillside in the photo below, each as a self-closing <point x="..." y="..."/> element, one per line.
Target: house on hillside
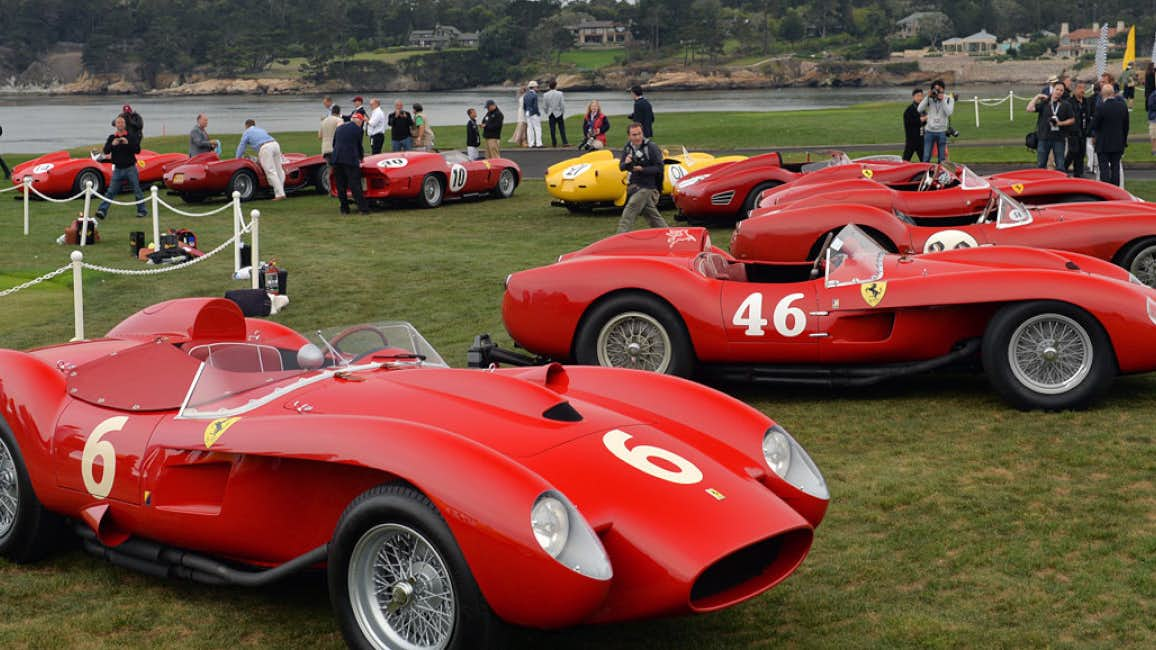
<point x="1076" y="43"/>
<point x="600" y="33"/>
<point x="920" y="21"/>
<point x="978" y="44"/>
<point x="441" y="37"/>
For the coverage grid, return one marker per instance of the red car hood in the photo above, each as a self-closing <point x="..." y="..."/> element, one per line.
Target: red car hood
<point x="679" y="242"/>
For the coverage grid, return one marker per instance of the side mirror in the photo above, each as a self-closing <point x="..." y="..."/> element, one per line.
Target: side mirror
<point x="310" y="357"/>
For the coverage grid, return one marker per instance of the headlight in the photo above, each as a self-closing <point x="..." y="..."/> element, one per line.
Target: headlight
<point x="565" y="536"/>
<point x="787" y="458"/>
<point x="687" y="182"/>
<point x="1151" y="310"/>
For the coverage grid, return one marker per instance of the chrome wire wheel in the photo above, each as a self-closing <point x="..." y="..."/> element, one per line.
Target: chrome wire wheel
<point x="1143" y="266"/>
<point x="244" y="184"/>
<point x="1050" y="354"/>
<point x="9" y="490"/>
<point x="634" y="340"/>
<point x="400" y="590"/>
<point x="431" y="189"/>
<point x="506" y="183"/>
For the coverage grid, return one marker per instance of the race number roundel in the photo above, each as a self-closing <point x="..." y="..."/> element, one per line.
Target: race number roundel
<point x="95" y="448"/>
<point x="642" y="457"/>
<point x="574" y="171"/>
<point x="457" y="177"/>
<point x="42" y="168"/>
<point x="393" y="163"/>
<point x="948" y="240"/>
<point x="675" y="173"/>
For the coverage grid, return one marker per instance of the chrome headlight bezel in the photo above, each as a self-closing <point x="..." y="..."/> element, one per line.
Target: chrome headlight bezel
<point x="687" y="182"/>
<point x="789" y="461"/>
<point x="564" y="534"/>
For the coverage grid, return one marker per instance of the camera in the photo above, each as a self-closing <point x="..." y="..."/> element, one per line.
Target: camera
<point x="935" y="93"/>
<point x="952" y="132"/>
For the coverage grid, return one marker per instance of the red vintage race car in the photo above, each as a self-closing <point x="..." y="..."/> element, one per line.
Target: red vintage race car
<point x="1123" y="232"/>
<point x="429" y="178"/>
<point x="208" y="174"/>
<point x="437" y="498"/>
<point x="945" y="189"/>
<point x="728" y="191"/>
<point x="1052" y="328"/>
<point x="58" y="174"/>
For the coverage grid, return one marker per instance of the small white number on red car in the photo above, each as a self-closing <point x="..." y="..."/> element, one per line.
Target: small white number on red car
<point x="949" y="240"/>
<point x="788" y="321"/>
<point x="95" y="448"/>
<point x="393" y="163"/>
<point x="457" y="178"/>
<point x="675" y="172"/>
<point x="640" y="458"/>
<point x="42" y="168"/>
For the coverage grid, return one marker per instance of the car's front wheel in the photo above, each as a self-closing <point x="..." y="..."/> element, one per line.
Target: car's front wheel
<point x="635" y="331"/>
<point x="27" y="531"/>
<point x="507" y="183"/>
<point x="398" y="579"/>
<point x="1140" y="260"/>
<point x="322" y="178"/>
<point x="752" y="200"/>
<point x="432" y="191"/>
<point x="84" y="177"/>
<point x="244" y="182"/>
<point x="1047" y="355"/>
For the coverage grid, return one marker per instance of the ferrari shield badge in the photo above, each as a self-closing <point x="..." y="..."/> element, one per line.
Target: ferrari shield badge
<point x="868" y="173"/>
<point x="676" y="235"/>
<point x="1019" y="188"/>
<point x="873" y="292"/>
<point x="217" y="428"/>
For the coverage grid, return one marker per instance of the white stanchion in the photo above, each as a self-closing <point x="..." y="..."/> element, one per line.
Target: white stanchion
<point x="1011" y="109"/>
<point x="88" y="191"/>
<point x="27" y="192"/>
<point x="255" y="247"/>
<point x="77" y="258"/>
<point x="237" y="232"/>
<point x="156" y="215"/>
<point x="976" y="99"/>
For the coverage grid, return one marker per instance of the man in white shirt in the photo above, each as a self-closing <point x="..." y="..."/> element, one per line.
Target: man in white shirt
<point x="376" y="127"/>
<point x="554" y="104"/>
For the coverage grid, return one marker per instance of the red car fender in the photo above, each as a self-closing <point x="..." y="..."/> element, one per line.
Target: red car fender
<point x="32" y="395"/>
<point x="790" y="234"/>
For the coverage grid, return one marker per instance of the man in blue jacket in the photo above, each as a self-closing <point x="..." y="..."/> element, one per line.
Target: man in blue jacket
<point x="348" y="150"/>
<point x="1110" y="129"/>
<point x="268" y="155"/>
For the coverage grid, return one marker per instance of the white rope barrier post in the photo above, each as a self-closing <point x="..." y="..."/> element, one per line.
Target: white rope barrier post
<point x="255" y="249"/>
<point x="156" y="215"/>
<point x="1011" y="109"/>
<point x="27" y="193"/>
<point x="77" y="258"/>
<point x="237" y="231"/>
<point x="976" y="99"/>
<point x="87" y="211"/>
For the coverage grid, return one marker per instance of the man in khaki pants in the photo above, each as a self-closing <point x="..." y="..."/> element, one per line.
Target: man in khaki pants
<point x="643" y="159"/>
<point x="268" y="155"/>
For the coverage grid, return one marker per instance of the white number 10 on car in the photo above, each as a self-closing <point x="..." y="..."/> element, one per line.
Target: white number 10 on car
<point x="788" y="321"/>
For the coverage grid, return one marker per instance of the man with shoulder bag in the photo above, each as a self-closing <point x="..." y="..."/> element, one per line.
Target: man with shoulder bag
<point x="643" y="159"/>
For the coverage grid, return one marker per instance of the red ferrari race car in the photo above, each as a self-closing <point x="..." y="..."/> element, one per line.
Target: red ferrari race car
<point x="207" y="174"/>
<point x="58" y="174"/>
<point x="437" y="498"/>
<point x="945" y="189"/>
<point x="1122" y="232"/>
<point x="1052" y="328"/>
<point x="728" y="191"/>
<point x="429" y="178"/>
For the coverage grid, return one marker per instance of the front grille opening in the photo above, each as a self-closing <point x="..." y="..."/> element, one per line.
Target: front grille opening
<point x="750" y="570"/>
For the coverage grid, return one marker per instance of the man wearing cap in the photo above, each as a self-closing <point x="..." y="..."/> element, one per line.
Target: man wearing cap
<point x="199" y="141"/>
<point x="533" y="115"/>
<point x="132" y="121"/>
<point x="492" y="129"/>
<point x="268" y="155"/>
<point x="400" y="127"/>
<point x="376" y="126"/>
<point x="358" y="108"/>
<point x="348" y="151"/>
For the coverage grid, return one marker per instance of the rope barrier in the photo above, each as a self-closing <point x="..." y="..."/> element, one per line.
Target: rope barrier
<point x="12" y="189"/>
<point x="224" y="207"/>
<point x="102" y="197"/>
<point x="35" y="281"/>
<point x="52" y="200"/>
<point x="165" y="268"/>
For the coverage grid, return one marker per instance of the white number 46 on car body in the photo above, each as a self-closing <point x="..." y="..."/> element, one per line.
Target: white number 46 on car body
<point x="788" y="321"/>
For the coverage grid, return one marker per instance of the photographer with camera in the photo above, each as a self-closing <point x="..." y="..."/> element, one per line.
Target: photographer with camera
<point x="938" y="107"/>
<point x="644" y="160"/>
<point x="1055" y="118"/>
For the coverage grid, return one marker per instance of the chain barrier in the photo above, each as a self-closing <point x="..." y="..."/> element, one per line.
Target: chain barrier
<point x="35" y="281"/>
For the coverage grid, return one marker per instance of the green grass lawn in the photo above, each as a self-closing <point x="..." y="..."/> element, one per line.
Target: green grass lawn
<point x="593" y="59"/>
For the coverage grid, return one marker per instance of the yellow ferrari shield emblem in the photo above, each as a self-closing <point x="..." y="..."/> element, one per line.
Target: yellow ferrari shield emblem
<point x="140" y="163"/>
<point x="868" y="173"/>
<point x="873" y="292"/>
<point x="217" y="428"/>
<point x="1019" y="188"/>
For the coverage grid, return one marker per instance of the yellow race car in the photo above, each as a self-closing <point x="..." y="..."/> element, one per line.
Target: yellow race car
<point x="593" y="179"/>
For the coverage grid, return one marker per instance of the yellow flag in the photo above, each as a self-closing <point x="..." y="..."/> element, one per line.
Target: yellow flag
<point x="1130" y="49"/>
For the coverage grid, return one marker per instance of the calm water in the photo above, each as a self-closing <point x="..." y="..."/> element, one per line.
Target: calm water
<point x="43" y="123"/>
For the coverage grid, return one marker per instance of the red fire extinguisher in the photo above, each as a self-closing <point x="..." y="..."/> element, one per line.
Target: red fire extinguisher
<point x="272" y="277"/>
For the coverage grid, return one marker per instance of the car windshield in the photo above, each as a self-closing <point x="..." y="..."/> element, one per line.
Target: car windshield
<point x="853" y="257"/>
<point x="455" y="157"/>
<point x="237" y="377"/>
<point x="836" y="159"/>
<point x="1009" y="212"/>
<point x="970" y="180"/>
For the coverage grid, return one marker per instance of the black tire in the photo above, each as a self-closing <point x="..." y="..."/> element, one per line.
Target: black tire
<point x="87" y="174"/>
<point x="397" y="513"/>
<point x="193" y="198"/>
<point x="752" y="200"/>
<point x="28" y="532"/>
<point x="244" y="182"/>
<point x="1139" y="258"/>
<point x="433" y="190"/>
<point x="635" y="330"/>
<point x="579" y="208"/>
<point x="1047" y="355"/>
<point x="507" y="183"/>
<point x="322" y="179"/>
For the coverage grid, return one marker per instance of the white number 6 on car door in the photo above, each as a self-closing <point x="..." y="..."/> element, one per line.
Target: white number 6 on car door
<point x="95" y="448"/>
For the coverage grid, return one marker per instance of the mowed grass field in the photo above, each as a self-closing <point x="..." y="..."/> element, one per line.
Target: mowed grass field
<point x="955" y="520"/>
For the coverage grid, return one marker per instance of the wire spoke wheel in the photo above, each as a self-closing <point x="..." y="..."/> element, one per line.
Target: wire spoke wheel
<point x="431" y="189"/>
<point x="1143" y="266"/>
<point x="1050" y="353"/>
<point x="9" y="490"/>
<point x="401" y="589"/>
<point x="634" y="340"/>
<point x="506" y="183"/>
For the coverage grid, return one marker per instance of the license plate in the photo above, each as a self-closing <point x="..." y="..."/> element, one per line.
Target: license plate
<point x="178" y="179"/>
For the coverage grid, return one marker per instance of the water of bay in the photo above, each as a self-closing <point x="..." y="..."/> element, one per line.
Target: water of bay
<point x="39" y="123"/>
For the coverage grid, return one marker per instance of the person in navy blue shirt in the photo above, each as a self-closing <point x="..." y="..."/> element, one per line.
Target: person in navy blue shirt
<point x="643" y="112"/>
<point x="348" y="150"/>
<point x="268" y="155"/>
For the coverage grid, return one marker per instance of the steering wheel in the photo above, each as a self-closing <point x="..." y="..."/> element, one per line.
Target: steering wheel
<point x="930" y="179"/>
<point x="349" y="331"/>
<point x="818" y="264"/>
<point x="989" y="208"/>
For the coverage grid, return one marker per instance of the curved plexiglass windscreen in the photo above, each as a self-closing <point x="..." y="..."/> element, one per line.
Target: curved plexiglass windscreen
<point x="853" y="257"/>
<point x="836" y="159"/>
<point x="238" y="376"/>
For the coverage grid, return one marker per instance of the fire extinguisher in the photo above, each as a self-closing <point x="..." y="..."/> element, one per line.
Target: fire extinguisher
<point x="272" y="277"/>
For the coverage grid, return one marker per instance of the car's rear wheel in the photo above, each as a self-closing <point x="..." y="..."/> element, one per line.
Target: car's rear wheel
<point x="244" y="182"/>
<point x="27" y="531"/>
<point x="432" y="191"/>
<point x="752" y="200"/>
<point x="322" y="178"/>
<point x="635" y="331"/>
<point x="1140" y="260"/>
<point x="398" y="579"/>
<point x="507" y="183"/>
<point x="1047" y="355"/>
<point x="84" y="177"/>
